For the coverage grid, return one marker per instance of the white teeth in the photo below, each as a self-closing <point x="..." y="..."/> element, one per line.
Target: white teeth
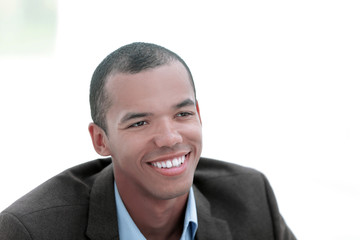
<point x="168" y="164"/>
<point x="176" y="162"/>
<point x="163" y="164"/>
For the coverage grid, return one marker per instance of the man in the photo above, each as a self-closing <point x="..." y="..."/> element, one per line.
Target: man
<point x="155" y="185"/>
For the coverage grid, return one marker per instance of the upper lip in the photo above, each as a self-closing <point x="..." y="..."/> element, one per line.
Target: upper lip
<point x="167" y="157"/>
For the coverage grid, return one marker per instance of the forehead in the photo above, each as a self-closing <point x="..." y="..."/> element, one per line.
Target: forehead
<point x="170" y="82"/>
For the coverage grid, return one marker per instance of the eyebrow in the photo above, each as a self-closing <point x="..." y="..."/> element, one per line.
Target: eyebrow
<point x="129" y="116"/>
<point x="185" y="103"/>
<point x="133" y="115"/>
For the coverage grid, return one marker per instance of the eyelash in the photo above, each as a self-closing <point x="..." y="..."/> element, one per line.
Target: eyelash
<point x="184" y="114"/>
<point x="138" y="124"/>
<point x="142" y="123"/>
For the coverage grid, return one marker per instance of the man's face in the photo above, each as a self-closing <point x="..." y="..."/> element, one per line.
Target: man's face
<point x="154" y="131"/>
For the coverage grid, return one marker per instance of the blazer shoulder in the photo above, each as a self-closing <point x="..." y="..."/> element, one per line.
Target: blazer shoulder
<point x="210" y="169"/>
<point x="12" y="228"/>
<point x="242" y="197"/>
<point x="69" y="188"/>
<point x="58" y="207"/>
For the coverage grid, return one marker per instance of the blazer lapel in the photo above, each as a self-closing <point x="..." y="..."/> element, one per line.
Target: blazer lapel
<point x="209" y="227"/>
<point x="102" y="221"/>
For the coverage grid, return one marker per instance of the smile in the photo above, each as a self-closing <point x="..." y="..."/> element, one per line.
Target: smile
<point x="176" y="162"/>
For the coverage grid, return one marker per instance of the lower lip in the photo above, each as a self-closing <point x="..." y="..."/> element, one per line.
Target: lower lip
<point x="174" y="171"/>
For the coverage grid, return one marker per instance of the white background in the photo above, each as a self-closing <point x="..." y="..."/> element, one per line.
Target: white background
<point x="278" y="84"/>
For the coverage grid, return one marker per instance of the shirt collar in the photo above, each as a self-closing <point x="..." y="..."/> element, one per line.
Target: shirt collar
<point x="190" y="220"/>
<point x="128" y="229"/>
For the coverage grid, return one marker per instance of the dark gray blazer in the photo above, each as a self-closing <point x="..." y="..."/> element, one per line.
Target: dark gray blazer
<point x="232" y="202"/>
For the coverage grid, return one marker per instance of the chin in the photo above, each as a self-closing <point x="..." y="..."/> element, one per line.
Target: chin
<point x="172" y="192"/>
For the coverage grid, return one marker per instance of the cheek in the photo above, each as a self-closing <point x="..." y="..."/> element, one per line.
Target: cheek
<point x="128" y="149"/>
<point x="194" y="134"/>
<point x="197" y="129"/>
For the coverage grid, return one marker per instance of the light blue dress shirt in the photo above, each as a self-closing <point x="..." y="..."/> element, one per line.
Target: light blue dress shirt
<point x="128" y="229"/>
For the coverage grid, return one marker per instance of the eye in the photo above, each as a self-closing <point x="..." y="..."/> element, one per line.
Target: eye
<point x="138" y="124"/>
<point x="184" y="114"/>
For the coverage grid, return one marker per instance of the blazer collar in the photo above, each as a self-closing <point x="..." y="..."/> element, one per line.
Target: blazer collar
<point x="209" y="227"/>
<point x="102" y="220"/>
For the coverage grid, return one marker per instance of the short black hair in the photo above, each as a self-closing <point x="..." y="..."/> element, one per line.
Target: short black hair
<point x="132" y="58"/>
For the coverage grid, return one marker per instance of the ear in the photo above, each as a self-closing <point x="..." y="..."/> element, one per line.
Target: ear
<point x="198" y="110"/>
<point x="99" y="139"/>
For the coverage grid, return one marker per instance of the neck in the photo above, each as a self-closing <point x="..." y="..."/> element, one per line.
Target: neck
<point x="155" y="218"/>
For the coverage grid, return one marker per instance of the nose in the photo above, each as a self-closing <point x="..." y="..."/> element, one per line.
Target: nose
<point x="167" y="135"/>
